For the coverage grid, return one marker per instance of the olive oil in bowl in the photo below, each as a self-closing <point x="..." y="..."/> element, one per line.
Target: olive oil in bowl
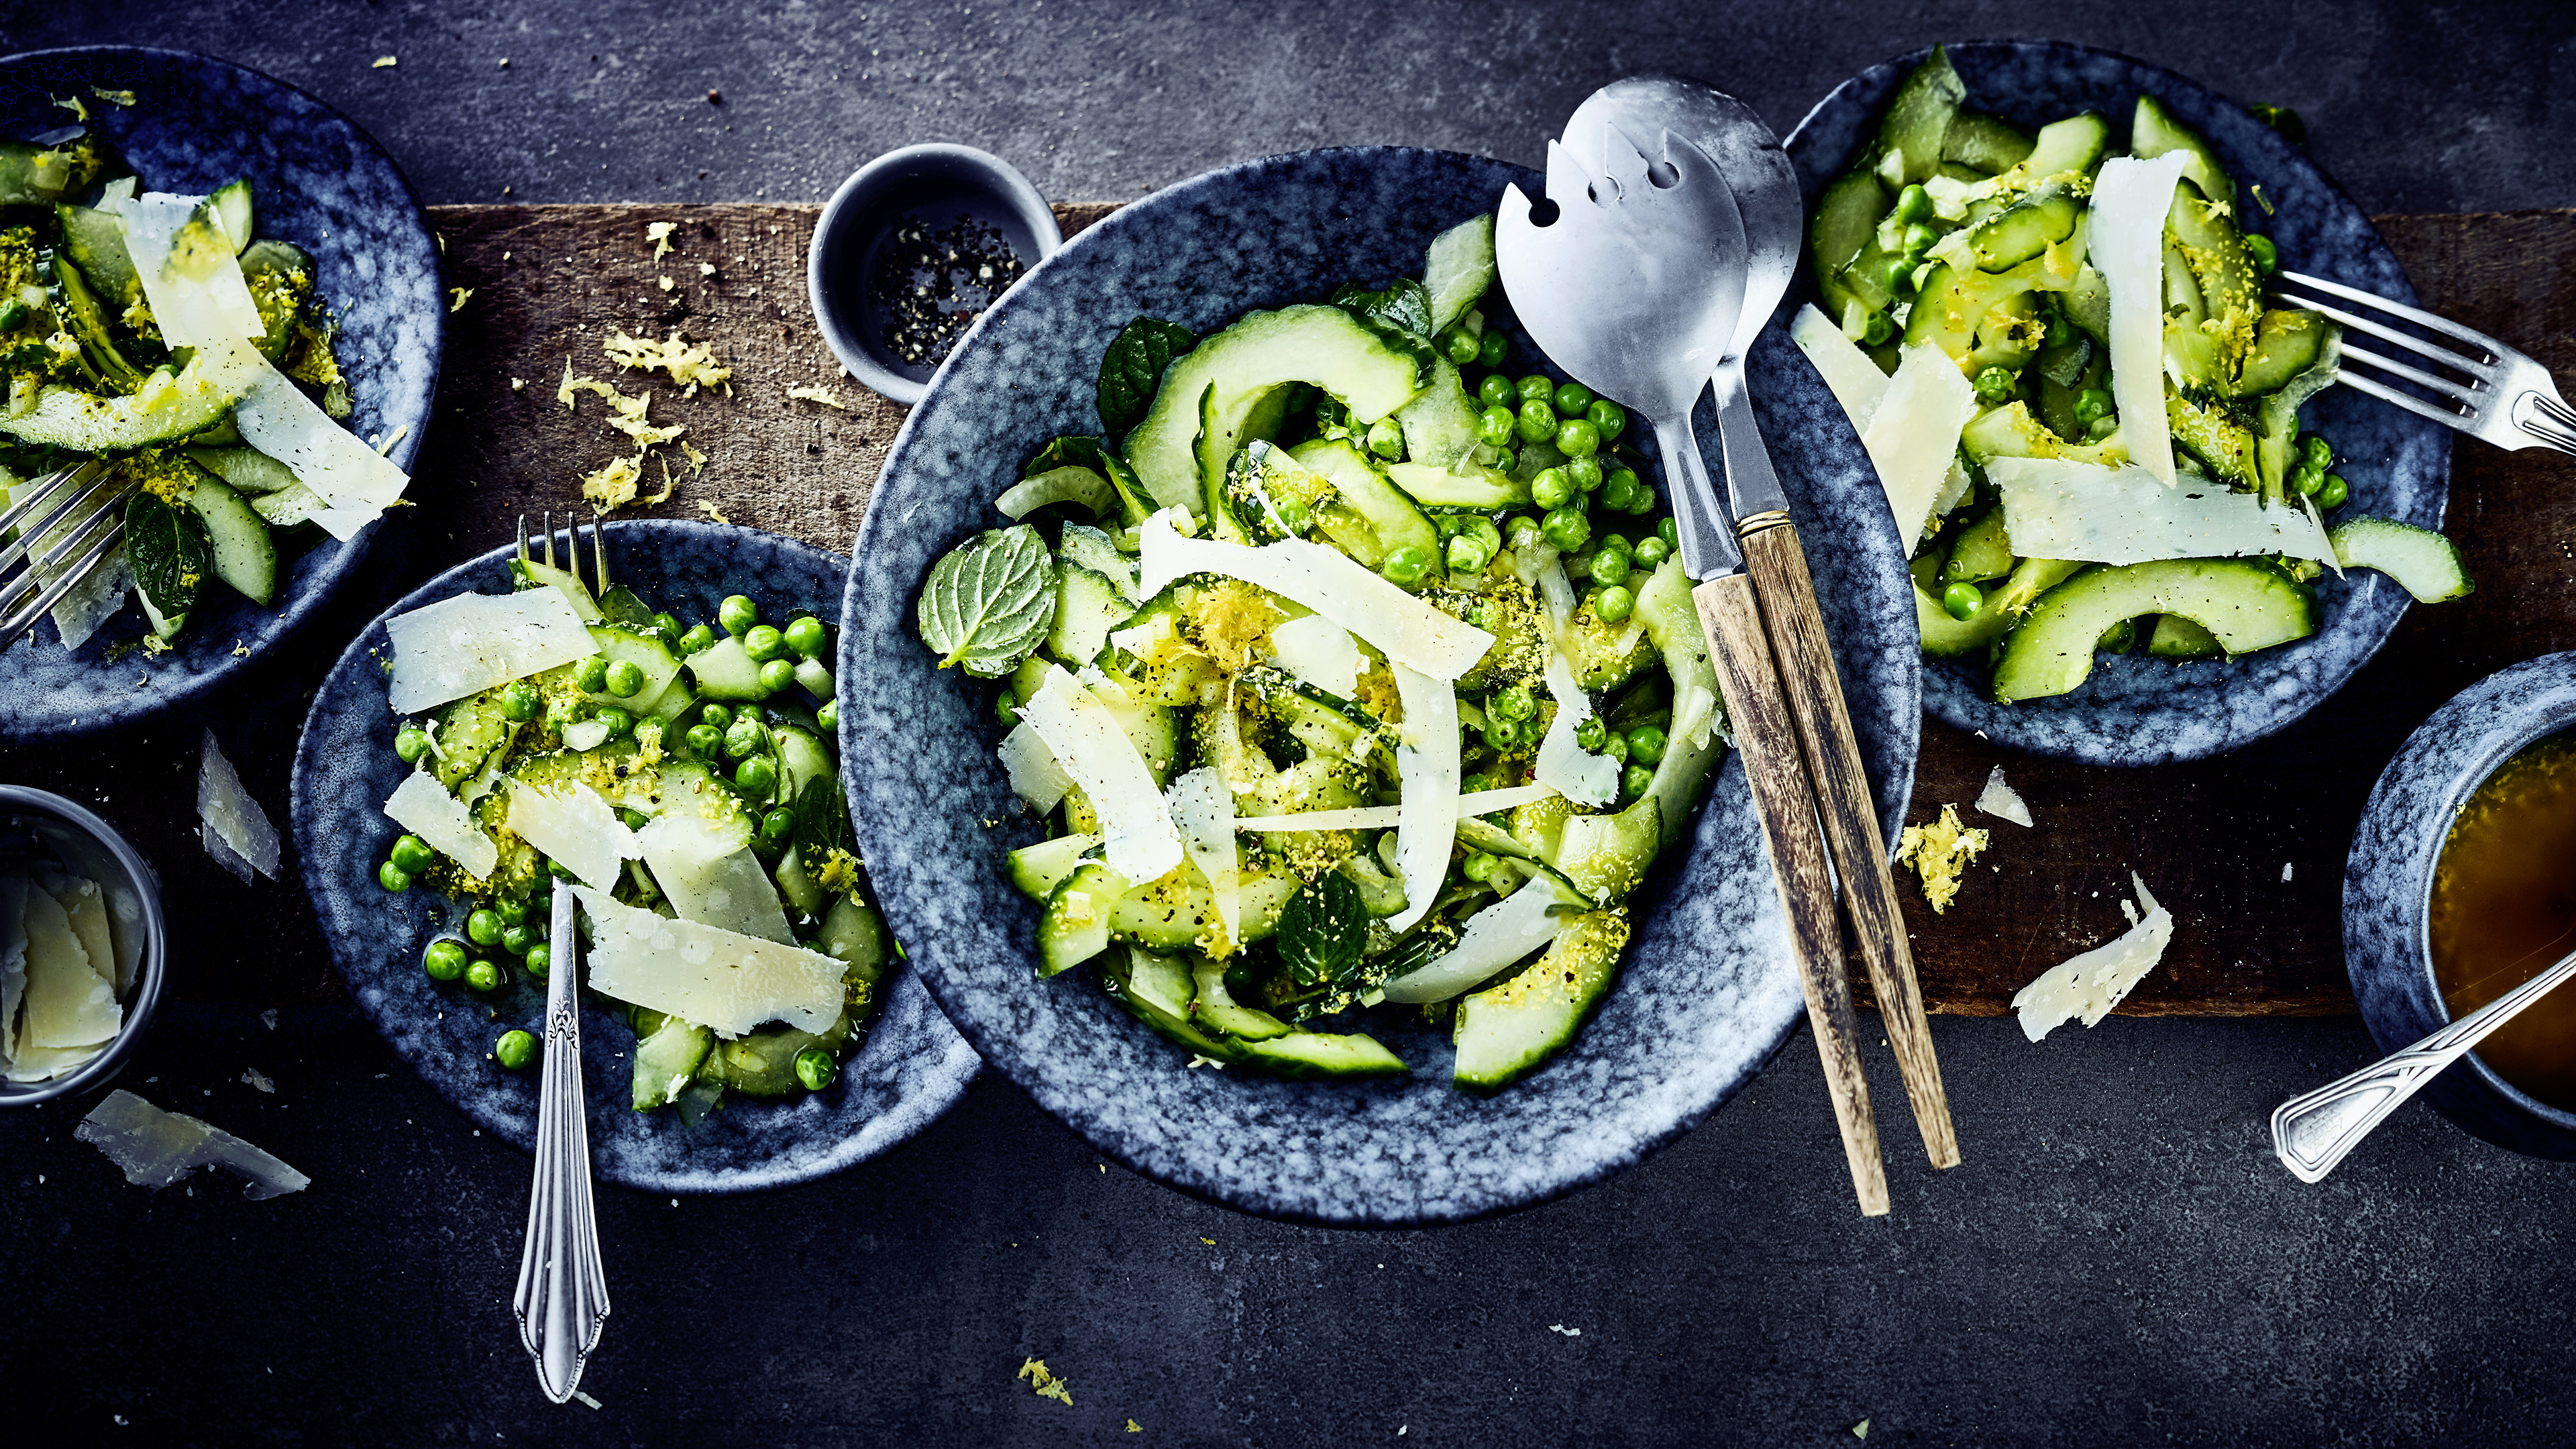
<point x="2504" y="910"/>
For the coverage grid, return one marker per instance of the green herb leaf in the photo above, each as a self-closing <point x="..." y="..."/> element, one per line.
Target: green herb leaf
<point x="1321" y="931"/>
<point x="989" y="601"/>
<point x="823" y="824"/>
<point x="1404" y="305"/>
<point x="1096" y="455"/>
<point x="1132" y="369"/>
<point x="167" y="548"/>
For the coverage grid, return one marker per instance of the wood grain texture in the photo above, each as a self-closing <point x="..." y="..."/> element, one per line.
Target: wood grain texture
<point x="1782" y="801"/>
<point x="1777" y="566"/>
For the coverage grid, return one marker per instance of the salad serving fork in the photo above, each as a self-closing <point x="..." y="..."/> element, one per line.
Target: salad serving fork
<point x="56" y="545"/>
<point x="2499" y="395"/>
<point x="562" y="1298"/>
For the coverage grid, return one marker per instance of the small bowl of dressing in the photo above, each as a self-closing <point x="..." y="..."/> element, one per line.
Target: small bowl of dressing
<point x="911" y="250"/>
<point x="2461" y="885"/>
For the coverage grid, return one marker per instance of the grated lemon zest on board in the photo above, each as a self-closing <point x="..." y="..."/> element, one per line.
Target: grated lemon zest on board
<point x="1940" y="852"/>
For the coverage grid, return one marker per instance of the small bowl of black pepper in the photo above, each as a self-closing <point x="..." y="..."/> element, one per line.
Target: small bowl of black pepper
<point x="911" y="250"/>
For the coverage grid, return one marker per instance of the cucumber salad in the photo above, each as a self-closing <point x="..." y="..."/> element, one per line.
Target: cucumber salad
<point x="2083" y="408"/>
<point x="683" y="783"/>
<point x="163" y="337"/>
<point x="1351" y="672"/>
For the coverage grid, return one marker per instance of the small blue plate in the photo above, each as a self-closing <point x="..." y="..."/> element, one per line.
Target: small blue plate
<point x="1706" y="993"/>
<point x="2136" y="710"/>
<point x="317" y="181"/>
<point x="912" y="1068"/>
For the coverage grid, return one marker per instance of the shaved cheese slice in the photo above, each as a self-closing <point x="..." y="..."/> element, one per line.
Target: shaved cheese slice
<point x="13" y="962"/>
<point x="125" y="924"/>
<point x="157" y="1148"/>
<point x="1427" y="769"/>
<point x="1496" y="937"/>
<point x="707" y="869"/>
<point x="1320" y="652"/>
<point x="1035" y="776"/>
<point x="1203" y="808"/>
<point x="1385" y="817"/>
<point x="1849" y="375"/>
<point x="2065" y="509"/>
<point x="2002" y="801"/>
<point x="469" y="643"/>
<point x="718" y="979"/>
<point x="1090" y="745"/>
<point x="85" y="906"/>
<point x="230" y="812"/>
<point x="1563" y="763"/>
<point x="1326" y="580"/>
<point x="572" y="825"/>
<point x="224" y="855"/>
<point x="1913" y="434"/>
<point x="1954" y="487"/>
<point x="2091" y="984"/>
<point x="43" y="1064"/>
<point x="442" y="823"/>
<point x="69" y="1003"/>
<point x="198" y="294"/>
<point x="2130" y="200"/>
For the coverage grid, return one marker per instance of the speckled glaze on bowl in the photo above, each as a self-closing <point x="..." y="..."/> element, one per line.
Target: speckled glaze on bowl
<point x="912" y="1068"/>
<point x="2388" y="889"/>
<point x="317" y="181"/>
<point x="1706" y="994"/>
<point x="2135" y="710"/>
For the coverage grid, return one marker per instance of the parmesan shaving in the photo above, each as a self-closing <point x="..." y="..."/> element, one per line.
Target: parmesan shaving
<point x="707" y="869"/>
<point x="1090" y="745"/>
<point x="2130" y="200"/>
<point x="1913" y="434"/>
<point x="230" y="812"/>
<point x="2065" y="509"/>
<point x="1563" y="763"/>
<point x="2089" y="985"/>
<point x="13" y="962"/>
<point x="2002" y="801"/>
<point x="70" y="1001"/>
<point x="1035" y="776"/>
<point x="1496" y="937"/>
<point x="1320" y="652"/>
<point x="1427" y="767"/>
<point x="470" y="643"/>
<point x="718" y="979"/>
<point x="1849" y="375"/>
<point x="156" y="1148"/>
<point x="1326" y="580"/>
<point x="1203" y="808"/>
<point x="575" y="827"/>
<point x="444" y="825"/>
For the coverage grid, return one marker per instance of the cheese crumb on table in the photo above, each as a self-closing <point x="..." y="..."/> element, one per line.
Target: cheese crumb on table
<point x="2090" y="984"/>
<point x="2002" y="801"/>
<point x="383" y="62"/>
<point x="659" y="234"/>
<point x="157" y="1148"/>
<point x="823" y="395"/>
<point x="1046" y="1384"/>
<point x="1940" y="852"/>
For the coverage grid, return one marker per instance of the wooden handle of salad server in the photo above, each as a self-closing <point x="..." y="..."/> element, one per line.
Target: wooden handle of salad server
<point x="1778" y="569"/>
<point x="1768" y="742"/>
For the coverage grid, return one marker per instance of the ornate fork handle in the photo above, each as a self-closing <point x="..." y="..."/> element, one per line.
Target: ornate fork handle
<point x="562" y="1300"/>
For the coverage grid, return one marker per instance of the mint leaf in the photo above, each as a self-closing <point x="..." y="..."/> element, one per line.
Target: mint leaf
<point x="1404" y="305"/>
<point x="989" y="601"/>
<point x="1096" y="455"/>
<point x="823" y="823"/>
<point x="1321" y="931"/>
<point x="167" y="548"/>
<point x="1131" y="371"/>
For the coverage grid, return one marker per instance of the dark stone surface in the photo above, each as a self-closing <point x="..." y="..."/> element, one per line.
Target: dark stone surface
<point x="2118" y="1260"/>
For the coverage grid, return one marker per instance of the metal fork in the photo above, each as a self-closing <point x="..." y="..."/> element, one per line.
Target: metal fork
<point x="48" y="512"/>
<point x="2499" y="395"/>
<point x="562" y="1301"/>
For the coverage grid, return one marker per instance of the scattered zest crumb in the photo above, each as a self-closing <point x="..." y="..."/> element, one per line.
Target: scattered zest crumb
<point x="113" y="98"/>
<point x="706" y="269"/>
<point x="712" y="511"/>
<point x="1047" y="1385"/>
<point x="1211" y="1242"/>
<point x="383" y="62"/>
<point x="659" y="234"/>
<point x="692" y="365"/>
<point x="1135" y="1428"/>
<point x="697" y="460"/>
<point x="2002" y="801"/>
<point x="665" y="283"/>
<point x="823" y="395"/>
<point x="2285" y="872"/>
<point x="457" y="297"/>
<point x="1861" y="1429"/>
<point x="1939" y="852"/>
<point x="75" y="107"/>
<point x="242" y="651"/>
<point x="517" y="383"/>
<point x="269" y="1018"/>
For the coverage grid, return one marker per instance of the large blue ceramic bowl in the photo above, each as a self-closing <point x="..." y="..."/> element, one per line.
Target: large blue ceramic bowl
<point x="2388" y="889"/>
<point x="317" y="181"/>
<point x="912" y="1067"/>
<point x="1707" y="992"/>
<point x="2136" y="710"/>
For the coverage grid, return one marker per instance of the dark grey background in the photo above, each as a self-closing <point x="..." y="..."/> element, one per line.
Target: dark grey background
<point x="2119" y="1260"/>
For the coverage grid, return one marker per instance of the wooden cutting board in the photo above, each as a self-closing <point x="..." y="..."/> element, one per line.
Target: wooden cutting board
<point x="543" y="286"/>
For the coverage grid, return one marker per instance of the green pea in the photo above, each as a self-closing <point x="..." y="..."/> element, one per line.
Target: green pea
<point x="1592" y="734"/>
<point x="716" y="716"/>
<point x="829" y="716"/>
<point x="483" y="927"/>
<point x="1608" y="418"/>
<point x="1918" y="240"/>
<point x="2320" y="453"/>
<point x="1609" y="566"/>
<point x="625" y="679"/>
<point x="1460" y="346"/>
<point x="1913" y="204"/>
<point x="1646" y="744"/>
<point x="777" y="825"/>
<point x="2306" y="480"/>
<point x="482" y="975"/>
<point x="393" y="877"/>
<point x="12" y="312"/>
<point x="1572" y="398"/>
<point x="1614" y="604"/>
<point x="816" y="1069"/>
<point x="1619" y="490"/>
<point x="756" y="777"/>
<point x="1616" y="747"/>
<point x="1669" y="532"/>
<point x="667" y="625"/>
<point x="697" y="640"/>
<point x="1877" y="330"/>
<point x="1386" y="439"/>
<point x="1496" y="391"/>
<point x="444" y="960"/>
<point x="1636" y="780"/>
<point x="806" y="638"/>
<point x="513" y="910"/>
<point x="2267" y="256"/>
<point x="591" y="674"/>
<point x="2091" y="403"/>
<point x="619" y="721"/>
<point x="777" y="674"/>
<point x="1577" y="438"/>
<point x="2334" y="493"/>
<point x="1497" y="425"/>
<point x="1505" y="460"/>
<point x="1537" y="387"/>
<point x="413" y="854"/>
<point x="517" y="939"/>
<point x="763" y="643"/>
<point x="1405" y="565"/>
<point x="514" y="1050"/>
<point x="1900" y="276"/>
<point x="1584" y="472"/>
<point x="1652" y="551"/>
<point x="410" y="743"/>
<point x="1962" y="600"/>
<point x="1537" y="420"/>
<point x="1469" y="555"/>
<point x="540" y="956"/>
<point x="1566" y="528"/>
<point x="1550" y="488"/>
<point x="1512" y="702"/>
<point x="1995" y="384"/>
<point x="1493" y="347"/>
<point x="745" y="738"/>
<point x="704" y="739"/>
<point x="1478" y="866"/>
<point x="737" y="614"/>
<point x="1470" y="784"/>
<point x="520" y="701"/>
<point x="1500" y="733"/>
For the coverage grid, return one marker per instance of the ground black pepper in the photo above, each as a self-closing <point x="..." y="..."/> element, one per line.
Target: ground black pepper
<point x="932" y="285"/>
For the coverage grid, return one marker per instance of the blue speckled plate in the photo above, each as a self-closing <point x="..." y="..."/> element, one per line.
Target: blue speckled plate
<point x="2136" y="710"/>
<point x="912" y="1068"/>
<point x="317" y="181"/>
<point x="2388" y="888"/>
<point x="1707" y="993"/>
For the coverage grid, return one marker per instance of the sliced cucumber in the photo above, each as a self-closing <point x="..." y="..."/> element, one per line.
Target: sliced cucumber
<point x="2216" y="438"/>
<point x="619" y="645"/>
<point x="531" y="574"/>
<point x="1075" y="927"/>
<point x="1316" y="1055"/>
<point x="248" y="469"/>
<point x="2011" y="432"/>
<point x="1092" y="549"/>
<point x="2153" y="131"/>
<point x="1165" y="919"/>
<point x="802" y="759"/>
<point x="1918" y="119"/>
<point x="815" y="678"/>
<point x="1479" y="488"/>
<point x="1087" y="607"/>
<point x="2243" y="604"/>
<point x="2025" y="229"/>
<point x="280" y="277"/>
<point x="1847" y="214"/>
<point x="1459" y="268"/>
<point x="797" y="883"/>
<point x="1440" y="422"/>
<point x="1981" y="553"/>
<point x="2286" y="343"/>
<point x="1068" y="484"/>
<point x="724" y="670"/>
<point x="1606" y="855"/>
<point x="666" y="1059"/>
<point x="2276" y="436"/>
<point x="1985" y="143"/>
<point x="2073" y="146"/>
<point x="855" y="935"/>
<point x="1215" y="1011"/>
<point x="1038" y="869"/>
<point x="470" y="733"/>
<point x="232" y="209"/>
<point x="1367" y="516"/>
<point x="763" y="1064"/>
<point x="237" y="539"/>
<point x="2424" y="563"/>
<point x="2179" y="638"/>
<point x="95" y="241"/>
<point x="1947" y="638"/>
<point x="1506" y="1031"/>
<point x="87" y="318"/>
<point x="1263" y="495"/>
<point x="1157" y="991"/>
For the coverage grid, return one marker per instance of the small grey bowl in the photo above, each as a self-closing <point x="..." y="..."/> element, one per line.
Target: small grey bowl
<point x="2388" y="889"/>
<point x="92" y="846"/>
<point x="937" y="182"/>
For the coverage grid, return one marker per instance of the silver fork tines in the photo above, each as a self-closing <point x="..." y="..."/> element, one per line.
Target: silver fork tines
<point x="572" y="548"/>
<point x="48" y="512"/>
<point x="2483" y="388"/>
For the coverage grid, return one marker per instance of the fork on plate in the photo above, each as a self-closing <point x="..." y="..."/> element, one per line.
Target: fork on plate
<point x="2485" y="389"/>
<point x="59" y="530"/>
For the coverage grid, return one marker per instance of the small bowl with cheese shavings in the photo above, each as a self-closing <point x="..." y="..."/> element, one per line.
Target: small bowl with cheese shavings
<point x="82" y="949"/>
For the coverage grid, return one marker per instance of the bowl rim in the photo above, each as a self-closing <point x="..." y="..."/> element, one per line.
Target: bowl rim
<point x="150" y="972"/>
<point x="848" y="204"/>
